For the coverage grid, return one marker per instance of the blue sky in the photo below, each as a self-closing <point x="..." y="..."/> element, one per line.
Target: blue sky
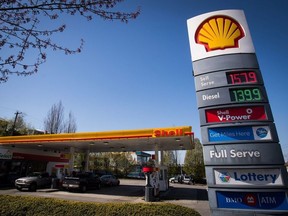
<point x="139" y="75"/>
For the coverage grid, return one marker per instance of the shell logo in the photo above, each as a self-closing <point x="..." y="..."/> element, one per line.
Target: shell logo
<point x="219" y="32"/>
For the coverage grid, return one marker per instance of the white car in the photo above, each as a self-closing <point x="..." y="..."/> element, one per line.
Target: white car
<point x="33" y="181"/>
<point x="188" y="180"/>
<point x="175" y="179"/>
<point x="182" y="179"/>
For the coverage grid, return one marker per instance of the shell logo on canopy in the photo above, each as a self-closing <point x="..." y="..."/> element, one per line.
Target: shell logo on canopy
<point x="219" y="32"/>
<point x="167" y="133"/>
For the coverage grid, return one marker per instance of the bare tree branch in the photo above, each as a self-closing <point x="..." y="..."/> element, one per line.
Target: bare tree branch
<point x="54" y="122"/>
<point x="19" y="22"/>
<point x="70" y="125"/>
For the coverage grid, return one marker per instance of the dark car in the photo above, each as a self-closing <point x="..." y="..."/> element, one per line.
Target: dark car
<point x="81" y="182"/>
<point x="136" y="175"/>
<point x="33" y="181"/>
<point x="109" y="180"/>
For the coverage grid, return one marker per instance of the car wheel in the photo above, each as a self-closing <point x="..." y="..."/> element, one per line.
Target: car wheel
<point x="83" y="188"/>
<point x="19" y="189"/>
<point x="172" y="181"/>
<point x="33" y="187"/>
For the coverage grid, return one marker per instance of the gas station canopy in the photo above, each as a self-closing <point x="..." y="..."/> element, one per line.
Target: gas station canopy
<point x="162" y="139"/>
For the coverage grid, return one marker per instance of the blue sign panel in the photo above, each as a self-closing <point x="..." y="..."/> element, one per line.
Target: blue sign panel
<point x="252" y="200"/>
<point x="220" y="134"/>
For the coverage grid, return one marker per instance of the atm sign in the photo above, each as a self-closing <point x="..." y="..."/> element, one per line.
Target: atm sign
<point x="233" y="114"/>
<point x="271" y="200"/>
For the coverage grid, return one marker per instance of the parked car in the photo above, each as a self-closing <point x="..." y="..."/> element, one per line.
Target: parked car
<point x="81" y="182"/>
<point x="102" y="172"/>
<point x="175" y="179"/>
<point x="188" y="180"/>
<point x="182" y="179"/>
<point x="109" y="180"/>
<point x="136" y="175"/>
<point x="34" y="181"/>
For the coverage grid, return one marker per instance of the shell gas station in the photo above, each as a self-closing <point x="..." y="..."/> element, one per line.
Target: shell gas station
<point x="244" y="163"/>
<point x="56" y="151"/>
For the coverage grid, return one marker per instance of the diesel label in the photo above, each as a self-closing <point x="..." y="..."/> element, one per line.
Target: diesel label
<point x="210" y="97"/>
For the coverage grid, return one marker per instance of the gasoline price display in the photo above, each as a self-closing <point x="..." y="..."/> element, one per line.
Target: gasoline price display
<point x="245" y="94"/>
<point x="241" y="77"/>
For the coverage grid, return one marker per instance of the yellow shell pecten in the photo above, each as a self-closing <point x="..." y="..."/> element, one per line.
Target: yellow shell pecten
<point x="219" y="32"/>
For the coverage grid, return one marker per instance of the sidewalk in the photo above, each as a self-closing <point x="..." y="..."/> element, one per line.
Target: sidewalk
<point x="196" y="199"/>
<point x="200" y="206"/>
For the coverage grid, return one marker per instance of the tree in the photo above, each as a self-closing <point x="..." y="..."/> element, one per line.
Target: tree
<point x="54" y="122"/>
<point x="119" y="163"/>
<point x="169" y="158"/>
<point x="20" y="31"/>
<point x="70" y="125"/>
<point x="194" y="162"/>
<point x="16" y="126"/>
<point x="4" y="124"/>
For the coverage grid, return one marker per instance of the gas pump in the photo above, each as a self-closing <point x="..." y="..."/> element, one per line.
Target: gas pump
<point x="163" y="178"/>
<point x="156" y="181"/>
<point x="150" y="184"/>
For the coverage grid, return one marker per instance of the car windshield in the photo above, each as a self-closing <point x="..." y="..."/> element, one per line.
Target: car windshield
<point x="34" y="174"/>
<point x="105" y="176"/>
<point x="82" y="175"/>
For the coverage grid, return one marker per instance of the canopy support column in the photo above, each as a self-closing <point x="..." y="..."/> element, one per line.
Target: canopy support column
<point x="71" y="160"/>
<point x="86" y="168"/>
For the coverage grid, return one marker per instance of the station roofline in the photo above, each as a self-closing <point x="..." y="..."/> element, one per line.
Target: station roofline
<point x="127" y="139"/>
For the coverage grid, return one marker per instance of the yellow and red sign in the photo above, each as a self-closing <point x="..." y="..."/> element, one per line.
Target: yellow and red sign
<point x="219" y="33"/>
<point x="168" y="132"/>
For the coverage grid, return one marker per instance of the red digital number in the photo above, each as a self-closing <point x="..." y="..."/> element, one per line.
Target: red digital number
<point x="241" y="77"/>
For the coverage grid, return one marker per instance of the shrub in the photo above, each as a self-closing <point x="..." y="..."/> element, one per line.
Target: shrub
<point x="36" y="206"/>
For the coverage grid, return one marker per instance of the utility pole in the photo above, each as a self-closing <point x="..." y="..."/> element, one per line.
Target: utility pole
<point x="15" y="120"/>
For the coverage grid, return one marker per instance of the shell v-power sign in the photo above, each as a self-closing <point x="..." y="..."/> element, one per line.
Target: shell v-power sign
<point x="243" y="159"/>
